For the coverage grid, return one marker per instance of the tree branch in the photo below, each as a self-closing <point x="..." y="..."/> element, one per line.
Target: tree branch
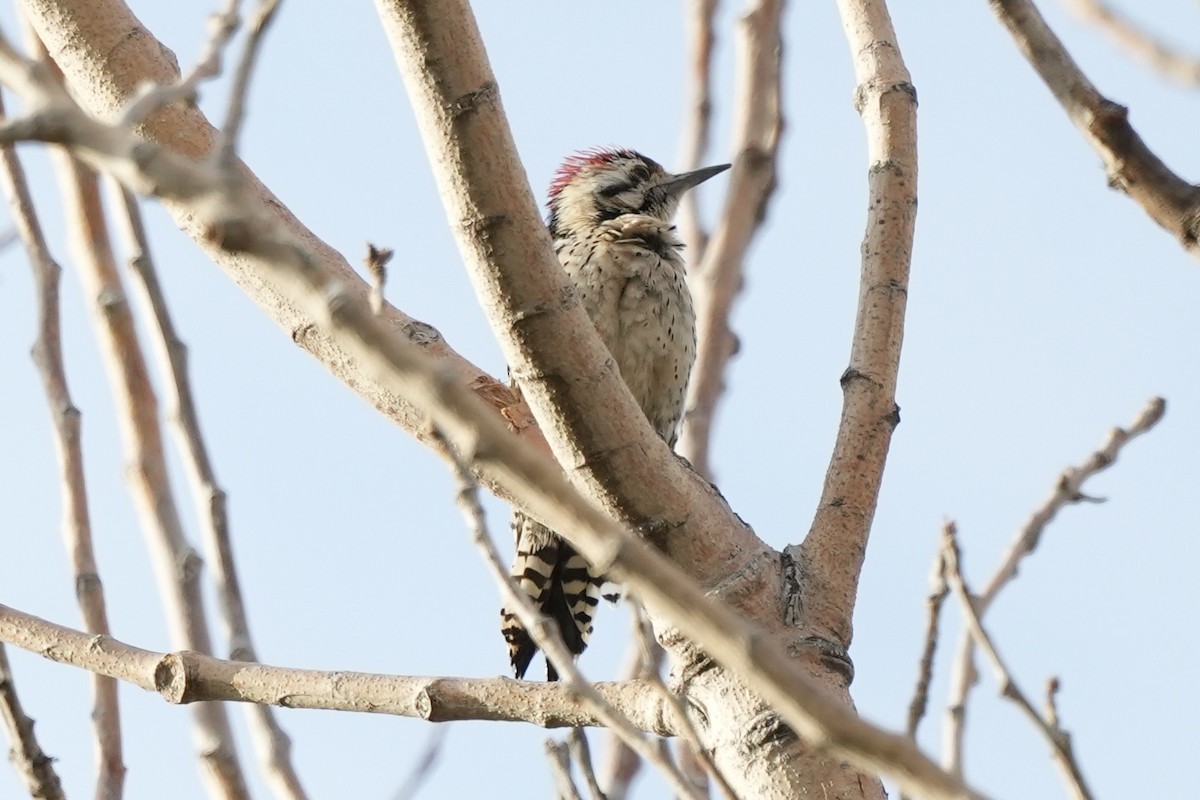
<point x="1068" y="490"/>
<point x="176" y="564"/>
<point x="107" y="57"/>
<point x="189" y="677"/>
<point x="887" y="101"/>
<point x="66" y="419"/>
<point x="700" y="35"/>
<point x="274" y="746"/>
<point x="32" y="764"/>
<point x="234" y="219"/>
<point x="545" y="633"/>
<point x="719" y="277"/>
<point x="1138" y="42"/>
<point x="1060" y="741"/>
<point x="1132" y="167"/>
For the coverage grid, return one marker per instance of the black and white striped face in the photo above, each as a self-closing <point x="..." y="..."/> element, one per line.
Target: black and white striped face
<point x="599" y="185"/>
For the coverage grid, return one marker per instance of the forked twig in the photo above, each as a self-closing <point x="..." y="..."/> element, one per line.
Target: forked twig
<point x="1060" y="740"/>
<point x="1068" y="490"/>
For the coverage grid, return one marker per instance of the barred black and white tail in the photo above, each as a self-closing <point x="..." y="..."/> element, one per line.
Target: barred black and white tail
<point x="561" y="585"/>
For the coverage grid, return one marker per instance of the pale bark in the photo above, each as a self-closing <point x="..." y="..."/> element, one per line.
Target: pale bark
<point x="189" y="677"/>
<point x="1132" y="166"/>
<point x="67" y="421"/>
<point x="589" y="417"/>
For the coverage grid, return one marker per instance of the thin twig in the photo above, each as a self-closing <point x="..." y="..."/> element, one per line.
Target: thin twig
<point x="221" y="28"/>
<point x="560" y="765"/>
<point x="700" y="34"/>
<point x="1060" y="740"/>
<point x="271" y="741"/>
<point x="1138" y="42"/>
<point x="177" y="565"/>
<point x="644" y="631"/>
<point x="31" y="762"/>
<point x="622" y="765"/>
<point x="225" y="150"/>
<point x="1068" y="490"/>
<point x="544" y="632"/>
<point x="425" y="763"/>
<point x="581" y="752"/>
<point x="76" y="526"/>
<point x="719" y="277"/>
<point x="933" y="606"/>
<point x="377" y="260"/>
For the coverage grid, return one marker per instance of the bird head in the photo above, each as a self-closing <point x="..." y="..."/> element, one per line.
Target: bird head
<point x="598" y="185"/>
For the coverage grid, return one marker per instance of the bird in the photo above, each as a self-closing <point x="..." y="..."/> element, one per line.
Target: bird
<point x="610" y="214"/>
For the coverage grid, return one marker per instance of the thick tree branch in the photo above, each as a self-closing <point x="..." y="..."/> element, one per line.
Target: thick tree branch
<point x="190" y="677"/>
<point x="887" y="101"/>
<point x="107" y="56"/>
<point x="1132" y="167"/>
<point x="76" y="526"/>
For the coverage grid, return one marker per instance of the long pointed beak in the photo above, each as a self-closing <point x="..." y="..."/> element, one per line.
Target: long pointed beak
<point x="689" y="180"/>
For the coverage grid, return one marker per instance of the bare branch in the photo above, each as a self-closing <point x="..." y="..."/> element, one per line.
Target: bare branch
<point x="32" y="764"/>
<point x="177" y="565"/>
<point x="560" y="764"/>
<point x="933" y="604"/>
<point x="1060" y="741"/>
<point x="1138" y="42"/>
<point x="621" y="765"/>
<point x="272" y="742"/>
<point x="76" y="526"/>
<point x="189" y="677"/>
<point x="225" y="151"/>
<point x="700" y="35"/>
<point x="581" y="752"/>
<point x="151" y="97"/>
<point x="718" y="278"/>
<point x="236" y="221"/>
<point x="1067" y="490"/>
<point x="424" y="766"/>
<point x="644" y="630"/>
<point x="1131" y="166"/>
<point x="887" y="102"/>
<point x="545" y="633"/>
<point x="108" y="56"/>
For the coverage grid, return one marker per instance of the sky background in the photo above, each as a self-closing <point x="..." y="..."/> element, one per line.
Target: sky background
<point x="1043" y="309"/>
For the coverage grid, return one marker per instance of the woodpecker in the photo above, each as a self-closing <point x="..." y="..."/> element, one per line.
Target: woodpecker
<point x="610" y="213"/>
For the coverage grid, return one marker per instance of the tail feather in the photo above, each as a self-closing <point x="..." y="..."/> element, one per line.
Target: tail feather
<point x="561" y="585"/>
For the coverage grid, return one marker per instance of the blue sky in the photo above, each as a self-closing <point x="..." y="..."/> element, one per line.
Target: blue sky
<point x="1044" y="308"/>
